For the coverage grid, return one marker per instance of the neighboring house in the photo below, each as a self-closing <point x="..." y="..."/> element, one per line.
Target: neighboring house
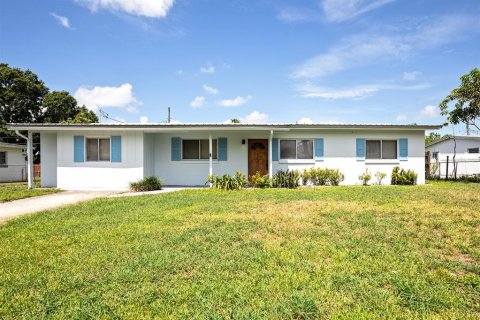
<point x="458" y="144"/>
<point x="462" y="153"/>
<point x="110" y="156"/>
<point x="12" y="162"/>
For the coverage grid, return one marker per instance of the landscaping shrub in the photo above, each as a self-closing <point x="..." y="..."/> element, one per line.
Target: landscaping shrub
<point x="403" y="177"/>
<point x="335" y="177"/>
<point x="259" y="181"/>
<point x="380" y="176"/>
<point x="286" y="179"/>
<point x="228" y="182"/>
<point x="322" y="177"/>
<point x="365" y="177"/>
<point x="146" y="184"/>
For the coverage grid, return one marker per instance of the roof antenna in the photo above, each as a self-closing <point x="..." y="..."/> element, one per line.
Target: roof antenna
<point x="168" y="118"/>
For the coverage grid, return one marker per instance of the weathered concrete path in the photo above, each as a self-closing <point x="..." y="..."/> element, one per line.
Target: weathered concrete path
<point x="20" y="207"/>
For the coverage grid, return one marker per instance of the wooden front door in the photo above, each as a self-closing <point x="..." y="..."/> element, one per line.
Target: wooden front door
<point x="257" y="156"/>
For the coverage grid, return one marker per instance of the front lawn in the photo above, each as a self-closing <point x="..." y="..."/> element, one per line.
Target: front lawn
<point x="332" y="252"/>
<point x="18" y="190"/>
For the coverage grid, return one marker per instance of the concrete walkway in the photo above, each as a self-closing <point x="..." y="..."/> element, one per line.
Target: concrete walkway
<point x="20" y="207"/>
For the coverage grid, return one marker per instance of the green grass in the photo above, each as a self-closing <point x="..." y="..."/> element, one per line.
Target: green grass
<point x="332" y="252"/>
<point x="18" y="190"/>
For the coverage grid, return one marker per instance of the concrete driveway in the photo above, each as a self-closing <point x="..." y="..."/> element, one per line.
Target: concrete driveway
<point x="20" y="207"/>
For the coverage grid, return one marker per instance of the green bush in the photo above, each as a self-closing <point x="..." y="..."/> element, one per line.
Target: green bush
<point x="259" y="181"/>
<point x="146" y="184"/>
<point x="380" y="176"/>
<point x="403" y="177"/>
<point x="228" y="182"/>
<point x="365" y="177"/>
<point x="322" y="177"/>
<point x="335" y="177"/>
<point x="286" y="179"/>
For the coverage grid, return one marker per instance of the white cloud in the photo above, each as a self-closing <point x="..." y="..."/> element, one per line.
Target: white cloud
<point x="210" y="90"/>
<point x="292" y="14"/>
<point x="429" y="112"/>
<point x="179" y="72"/>
<point x="198" y="102"/>
<point x="103" y="97"/>
<point x="235" y="102"/>
<point x="208" y="69"/>
<point x="255" y="117"/>
<point x="341" y="10"/>
<point x="308" y="90"/>
<point x="401" y="117"/>
<point x="371" y="48"/>
<point x="63" y="21"/>
<point x="411" y="75"/>
<point x="305" y="121"/>
<point x="145" y="8"/>
<point x="143" y="119"/>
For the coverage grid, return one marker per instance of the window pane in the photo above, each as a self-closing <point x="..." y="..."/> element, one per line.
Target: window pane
<point x="104" y="149"/>
<point x="288" y="149"/>
<point x="305" y="149"/>
<point x="473" y="150"/>
<point x="92" y="149"/>
<point x="373" y="149"/>
<point x="204" y="149"/>
<point x="3" y="158"/>
<point x="190" y="149"/>
<point x="214" y="151"/>
<point x="389" y="149"/>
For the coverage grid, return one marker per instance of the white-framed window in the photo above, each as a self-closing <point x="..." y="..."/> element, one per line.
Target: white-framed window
<point x="97" y="149"/>
<point x="197" y="149"/>
<point x="3" y="158"/>
<point x="473" y="150"/>
<point x="381" y="149"/>
<point x="296" y="149"/>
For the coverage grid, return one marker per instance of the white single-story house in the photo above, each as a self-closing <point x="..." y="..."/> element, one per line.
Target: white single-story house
<point x="464" y="144"/>
<point x="12" y="162"/>
<point x="110" y="156"/>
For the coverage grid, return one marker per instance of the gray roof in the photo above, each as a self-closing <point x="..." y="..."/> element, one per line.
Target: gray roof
<point x="448" y="137"/>
<point x="212" y="126"/>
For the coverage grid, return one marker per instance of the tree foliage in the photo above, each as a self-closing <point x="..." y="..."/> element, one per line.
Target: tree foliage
<point x="234" y="120"/>
<point x="433" y="136"/>
<point x="21" y="95"/>
<point x="24" y="98"/>
<point x="467" y="100"/>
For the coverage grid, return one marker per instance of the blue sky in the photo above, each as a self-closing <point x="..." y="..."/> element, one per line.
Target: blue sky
<point x="330" y="61"/>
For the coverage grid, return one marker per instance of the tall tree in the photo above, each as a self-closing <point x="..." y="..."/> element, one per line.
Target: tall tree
<point x="21" y="95"/>
<point x="83" y="116"/>
<point x="467" y="101"/>
<point x="58" y="106"/>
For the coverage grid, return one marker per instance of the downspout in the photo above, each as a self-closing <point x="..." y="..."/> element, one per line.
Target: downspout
<point x="29" y="157"/>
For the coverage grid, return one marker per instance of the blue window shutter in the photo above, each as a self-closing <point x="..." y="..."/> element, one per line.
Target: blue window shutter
<point x="361" y="149"/>
<point x="116" y="148"/>
<point x="319" y="149"/>
<point x="78" y="149"/>
<point x="222" y="149"/>
<point x="176" y="149"/>
<point x="403" y="149"/>
<point x="274" y="149"/>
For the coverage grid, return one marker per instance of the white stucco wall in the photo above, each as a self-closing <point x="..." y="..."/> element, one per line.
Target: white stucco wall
<point x="48" y="159"/>
<point x="99" y="175"/>
<point x="339" y="150"/>
<point x="15" y="169"/>
<point x="448" y="146"/>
